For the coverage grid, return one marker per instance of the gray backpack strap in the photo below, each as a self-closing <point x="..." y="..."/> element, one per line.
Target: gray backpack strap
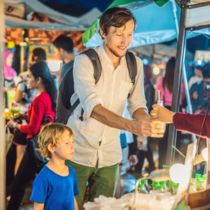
<point x="74" y="106"/>
<point x="93" y="56"/>
<point x="132" y="65"/>
<point x="95" y="60"/>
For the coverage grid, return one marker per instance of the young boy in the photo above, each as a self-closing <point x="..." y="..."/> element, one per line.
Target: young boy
<point x="56" y="184"/>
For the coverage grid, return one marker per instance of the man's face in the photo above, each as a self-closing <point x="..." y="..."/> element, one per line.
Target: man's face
<point x="60" y="53"/>
<point x="117" y="40"/>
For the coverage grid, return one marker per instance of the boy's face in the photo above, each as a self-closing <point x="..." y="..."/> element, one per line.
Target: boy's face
<point x="64" y="149"/>
<point x="117" y="40"/>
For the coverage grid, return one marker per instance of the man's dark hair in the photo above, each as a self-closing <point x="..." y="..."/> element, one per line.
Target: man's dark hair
<point x="39" y="54"/>
<point x="64" y="42"/>
<point x="168" y="79"/>
<point x="116" y="17"/>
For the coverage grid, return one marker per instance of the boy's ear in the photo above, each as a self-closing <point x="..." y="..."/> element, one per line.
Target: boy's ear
<point x="51" y="148"/>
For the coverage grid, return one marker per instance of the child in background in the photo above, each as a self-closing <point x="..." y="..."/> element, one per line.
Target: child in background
<point x="55" y="187"/>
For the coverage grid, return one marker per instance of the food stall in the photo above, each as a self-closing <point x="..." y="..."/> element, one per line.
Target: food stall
<point x="180" y="187"/>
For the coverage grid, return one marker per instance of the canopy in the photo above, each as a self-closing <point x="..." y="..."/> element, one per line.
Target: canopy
<point x="152" y="24"/>
<point x="156" y="19"/>
<point x="158" y="24"/>
<point x="16" y="10"/>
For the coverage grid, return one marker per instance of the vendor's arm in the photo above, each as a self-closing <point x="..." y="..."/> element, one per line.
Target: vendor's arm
<point x="192" y="123"/>
<point x="183" y="121"/>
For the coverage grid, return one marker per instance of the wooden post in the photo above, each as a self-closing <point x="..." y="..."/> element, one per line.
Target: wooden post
<point x="22" y="46"/>
<point x="2" y="103"/>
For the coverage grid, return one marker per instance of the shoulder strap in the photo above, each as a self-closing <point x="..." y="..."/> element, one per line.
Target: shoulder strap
<point x="132" y="65"/>
<point x="93" y="56"/>
<point x="130" y="59"/>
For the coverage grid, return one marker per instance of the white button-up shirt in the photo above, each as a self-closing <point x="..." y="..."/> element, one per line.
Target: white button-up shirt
<point x="95" y="141"/>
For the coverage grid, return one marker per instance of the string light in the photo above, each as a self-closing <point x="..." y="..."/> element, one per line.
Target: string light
<point x="156" y="70"/>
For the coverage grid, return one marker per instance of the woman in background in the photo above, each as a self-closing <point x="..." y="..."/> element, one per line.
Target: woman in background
<point x="42" y="110"/>
<point x="165" y="86"/>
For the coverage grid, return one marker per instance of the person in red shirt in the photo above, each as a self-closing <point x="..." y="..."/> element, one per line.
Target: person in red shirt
<point x="24" y="96"/>
<point x="41" y="111"/>
<point x="183" y="121"/>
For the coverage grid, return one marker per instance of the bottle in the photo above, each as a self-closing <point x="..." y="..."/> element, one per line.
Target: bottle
<point x="155" y="123"/>
<point x="172" y="186"/>
<point x="155" y="189"/>
<point x="142" y="188"/>
<point x="200" y="182"/>
<point x="164" y="186"/>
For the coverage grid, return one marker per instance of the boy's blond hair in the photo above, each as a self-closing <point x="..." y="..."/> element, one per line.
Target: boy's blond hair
<point x="50" y="134"/>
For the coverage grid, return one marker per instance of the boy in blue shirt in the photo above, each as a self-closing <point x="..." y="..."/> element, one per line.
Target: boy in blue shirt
<point x="55" y="187"/>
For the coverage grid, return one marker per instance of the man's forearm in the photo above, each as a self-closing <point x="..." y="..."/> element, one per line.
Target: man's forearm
<point x="109" y="118"/>
<point x="141" y="114"/>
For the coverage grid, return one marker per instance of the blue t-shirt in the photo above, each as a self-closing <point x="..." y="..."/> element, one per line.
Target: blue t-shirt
<point x="55" y="191"/>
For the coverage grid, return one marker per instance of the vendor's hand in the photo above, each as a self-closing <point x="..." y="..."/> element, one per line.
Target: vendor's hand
<point x="133" y="160"/>
<point x="162" y="114"/>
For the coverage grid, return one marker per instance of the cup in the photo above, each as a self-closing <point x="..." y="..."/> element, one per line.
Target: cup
<point x="157" y="129"/>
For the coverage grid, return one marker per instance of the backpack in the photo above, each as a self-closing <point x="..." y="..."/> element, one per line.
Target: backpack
<point x="68" y="83"/>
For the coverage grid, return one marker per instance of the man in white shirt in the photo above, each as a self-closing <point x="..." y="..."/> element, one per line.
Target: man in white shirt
<point x="96" y="137"/>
